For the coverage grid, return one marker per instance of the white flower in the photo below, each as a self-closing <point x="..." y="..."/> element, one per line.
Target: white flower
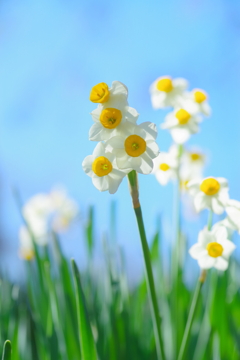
<point x="101" y="167"/>
<point x="101" y="93"/>
<point x="135" y="147"/>
<point x="192" y="162"/>
<point x="110" y="116"/>
<point x="181" y="124"/>
<point x="166" y="165"/>
<point x="196" y="101"/>
<point x="233" y="212"/>
<point x="166" y="91"/>
<point x="211" y="193"/>
<point x="213" y="249"/>
<point x="26" y="250"/>
<point x="65" y="209"/>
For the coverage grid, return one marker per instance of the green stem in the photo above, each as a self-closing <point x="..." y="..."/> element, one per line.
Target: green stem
<point x="210" y="220"/>
<point x="191" y="314"/>
<point x="133" y="185"/>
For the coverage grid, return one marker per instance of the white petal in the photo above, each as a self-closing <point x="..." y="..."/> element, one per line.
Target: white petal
<point x="95" y="132"/>
<point x="99" y="150"/>
<point x="180" y="83"/>
<point x="206" y="262"/>
<point x="223" y="182"/>
<point x="228" y="248"/>
<point x="123" y="162"/>
<point x="152" y="149"/>
<point x="217" y="206"/>
<point x="119" y="88"/>
<point x="180" y="136"/>
<point x="200" y="202"/>
<point x="96" y="113"/>
<point x="132" y="114"/>
<point x="205" y="237"/>
<point x="116" y="142"/>
<point x="146" y="164"/>
<point x="197" y="251"/>
<point x="150" y="129"/>
<point x="221" y="263"/>
<point x="114" y="184"/>
<point x="101" y="183"/>
<point x="87" y="165"/>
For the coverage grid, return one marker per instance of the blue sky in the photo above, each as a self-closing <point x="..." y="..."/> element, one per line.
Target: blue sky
<point x="53" y="52"/>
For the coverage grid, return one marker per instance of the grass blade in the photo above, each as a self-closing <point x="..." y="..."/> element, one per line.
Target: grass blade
<point x="7" y="351"/>
<point x="88" y="349"/>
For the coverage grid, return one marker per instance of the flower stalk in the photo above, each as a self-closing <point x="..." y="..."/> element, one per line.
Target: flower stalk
<point x="133" y="186"/>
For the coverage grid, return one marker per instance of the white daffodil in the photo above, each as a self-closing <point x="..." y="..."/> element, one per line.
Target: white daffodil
<point x="182" y="124"/>
<point x="210" y="193"/>
<point x="166" y="91"/>
<point x="102" y="94"/>
<point x="196" y="101"/>
<point x="65" y="210"/>
<point x="101" y="167"/>
<point x="233" y="214"/>
<point x="192" y="163"/>
<point x="135" y="148"/>
<point x="26" y="250"/>
<point x="166" y="165"/>
<point x="110" y="116"/>
<point x="213" y="249"/>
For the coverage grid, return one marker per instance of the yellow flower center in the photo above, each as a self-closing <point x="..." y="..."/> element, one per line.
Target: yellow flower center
<point x="210" y="186"/>
<point x="183" y="116"/>
<point x="195" y="156"/>
<point x="110" y="118"/>
<point x="27" y="254"/>
<point x="135" y="145"/>
<point x="199" y="96"/>
<point x="100" y="93"/>
<point x="183" y="184"/>
<point x="214" y="249"/>
<point x="101" y="166"/>
<point x="165" y="85"/>
<point x="164" y="167"/>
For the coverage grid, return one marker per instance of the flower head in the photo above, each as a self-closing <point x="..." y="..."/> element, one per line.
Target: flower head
<point x="101" y="167"/>
<point x="135" y="147"/>
<point x="196" y="101"/>
<point x="192" y="163"/>
<point x="210" y="193"/>
<point x="166" y="165"/>
<point x="26" y="250"/>
<point x="166" y="91"/>
<point x="181" y="124"/>
<point x="213" y="249"/>
<point x="110" y="115"/>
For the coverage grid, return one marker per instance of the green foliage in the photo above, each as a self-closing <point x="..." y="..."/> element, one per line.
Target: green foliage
<point x="7" y="351"/>
<point x="60" y="314"/>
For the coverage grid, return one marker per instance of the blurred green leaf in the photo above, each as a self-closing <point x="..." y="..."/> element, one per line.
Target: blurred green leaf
<point x="7" y="351"/>
<point x="88" y="349"/>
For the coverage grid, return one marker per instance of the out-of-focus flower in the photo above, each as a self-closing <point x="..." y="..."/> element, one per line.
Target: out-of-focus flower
<point x="233" y="214"/>
<point x="181" y="124"/>
<point x="196" y="101"/>
<point x="101" y="167"/>
<point x="166" y="165"/>
<point x="26" y="250"/>
<point x="166" y="91"/>
<point x="210" y="193"/>
<point x="135" y="148"/>
<point x="65" y="210"/>
<point x="213" y="249"/>
<point x="192" y="163"/>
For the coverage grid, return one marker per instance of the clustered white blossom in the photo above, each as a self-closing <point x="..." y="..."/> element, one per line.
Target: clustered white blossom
<point x="43" y="213"/>
<point x="123" y="144"/>
<point x="188" y="107"/>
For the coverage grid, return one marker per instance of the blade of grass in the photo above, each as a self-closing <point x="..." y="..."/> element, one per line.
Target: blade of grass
<point x="88" y="349"/>
<point x="7" y="351"/>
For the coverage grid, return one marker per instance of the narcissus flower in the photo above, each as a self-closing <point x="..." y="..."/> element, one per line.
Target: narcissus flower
<point x="101" y="167"/>
<point x="166" y="165"/>
<point x="197" y="102"/>
<point x="26" y="250"/>
<point x="210" y="193"/>
<point x="101" y="93"/>
<point x="233" y="214"/>
<point x="213" y="249"/>
<point x="135" y="147"/>
<point x="182" y="124"/>
<point x="192" y="163"/>
<point x="166" y="91"/>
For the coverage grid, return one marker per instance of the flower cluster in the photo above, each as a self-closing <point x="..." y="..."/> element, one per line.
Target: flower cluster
<point x="43" y="213"/>
<point x="186" y="166"/>
<point x="123" y="144"/>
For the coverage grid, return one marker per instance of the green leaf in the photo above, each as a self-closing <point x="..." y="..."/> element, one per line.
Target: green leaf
<point x="89" y="230"/>
<point x="88" y="349"/>
<point x="7" y="350"/>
